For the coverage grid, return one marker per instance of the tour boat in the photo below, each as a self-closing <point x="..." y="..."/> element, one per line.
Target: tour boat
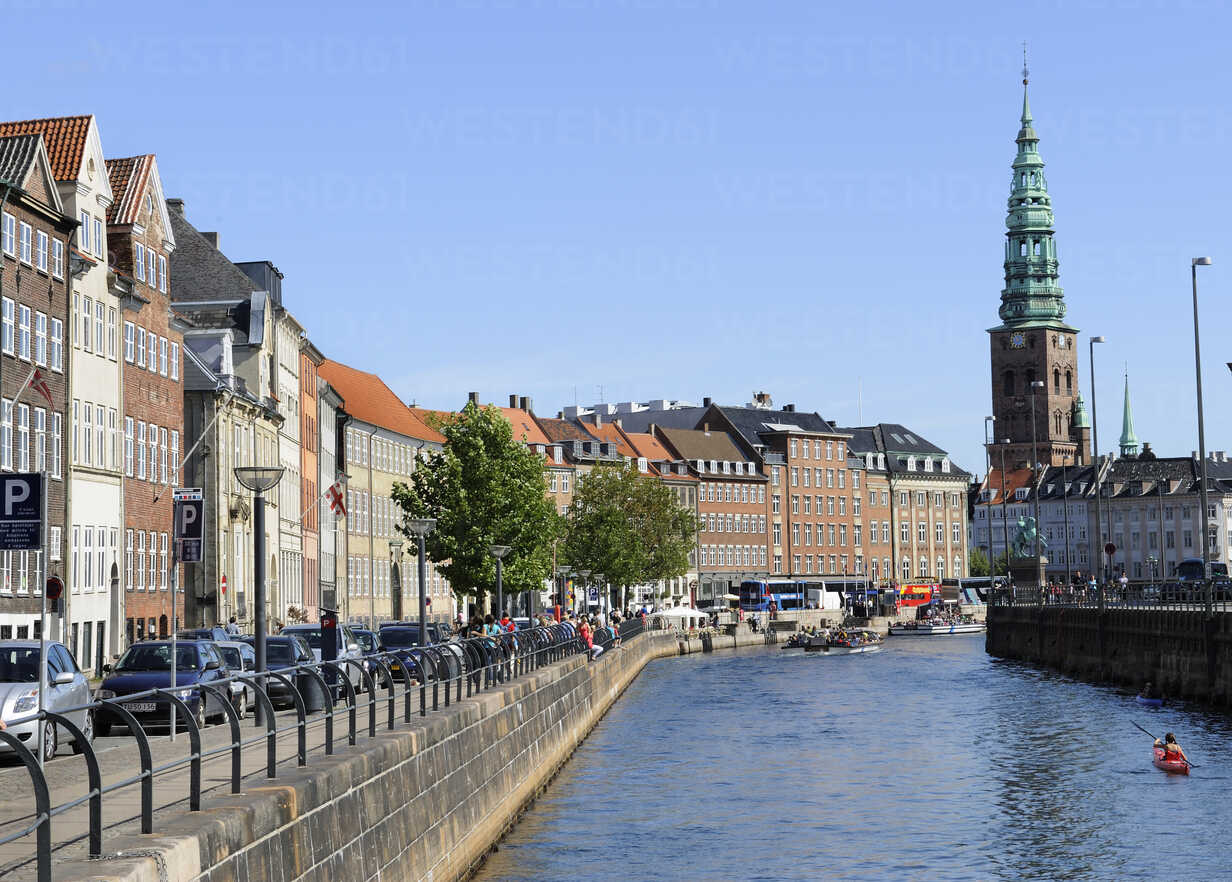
<point x="835" y="646"/>
<point x="1150" y="702"/>
<point x="1172" y="766"/>
<point x="939" y="629"/>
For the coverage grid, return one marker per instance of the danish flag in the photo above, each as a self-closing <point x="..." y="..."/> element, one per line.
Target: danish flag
<point x="38" y="383"/>
<point x="336" y="505"/>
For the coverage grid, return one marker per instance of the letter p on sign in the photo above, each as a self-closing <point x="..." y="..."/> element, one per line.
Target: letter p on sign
<point x="15" y="493"/>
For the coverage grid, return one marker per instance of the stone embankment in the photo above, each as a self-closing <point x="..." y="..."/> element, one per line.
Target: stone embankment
<point x="426" y="801"/>
<point x="1183" y="652"/>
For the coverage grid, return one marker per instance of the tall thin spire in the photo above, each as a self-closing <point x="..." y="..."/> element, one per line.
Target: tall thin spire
<point x="1032" y="295"/>
<point x="1129" y="441"/>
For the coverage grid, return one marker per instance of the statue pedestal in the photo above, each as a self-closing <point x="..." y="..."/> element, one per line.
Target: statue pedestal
<point x="1028" y="572"/>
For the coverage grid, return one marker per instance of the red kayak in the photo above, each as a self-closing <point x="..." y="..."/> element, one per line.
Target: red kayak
<point x="1176" y="766"/>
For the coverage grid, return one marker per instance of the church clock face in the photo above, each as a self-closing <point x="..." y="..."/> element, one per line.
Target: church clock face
<point x="1018" y="340"/>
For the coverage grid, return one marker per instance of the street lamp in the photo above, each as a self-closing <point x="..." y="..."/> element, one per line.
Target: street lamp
<point x="563" y="572"/>
<point x="395" y="577"/>
<point x="419" y="528"/>
<point x="1206" y="542"/>
<point x="1069" y="578"/>
<point x="1035" y="464"/>
<point x="499" y="552"/>
<point x="585" y="580"/>
<point x="989" y="421"/>
<point x="599" y="588"/>
<point x="1099" y="524"/>
<point x="1005" y="518"/>
<point x="260" y="480"/>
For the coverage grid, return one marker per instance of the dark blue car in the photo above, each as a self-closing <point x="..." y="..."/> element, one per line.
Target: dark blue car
<point x="147" y="665"/>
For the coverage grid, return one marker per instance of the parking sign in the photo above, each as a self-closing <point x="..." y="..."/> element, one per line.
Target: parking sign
<point x="189" y="506"/>
<point x="21" y="511"/>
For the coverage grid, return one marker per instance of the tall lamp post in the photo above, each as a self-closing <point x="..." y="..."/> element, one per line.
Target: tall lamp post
<point x="1206" y="541"/>
<point x="1069" y="579"/>
<point x="260" y="480"/>
<point x="1005" y="517"/>
<point x="395" y="577"/>
<point x="499" y="552"/>
<point x="563" y="573"/>
<point x="420" y="528"/>
<point x="600" y="587"/>
<point x="992" y="567"/>
<point x="1035" y="464"/>
<point x="584" y="576"/>
<point x="1099" y="524"/>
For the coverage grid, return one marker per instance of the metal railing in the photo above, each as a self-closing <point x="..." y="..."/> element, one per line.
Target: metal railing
<point x="1169" y="596"/>
<point x="444" y="669"/>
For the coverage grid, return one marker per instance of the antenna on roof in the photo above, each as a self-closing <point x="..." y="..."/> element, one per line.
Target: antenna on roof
<point x="599" y="386"/>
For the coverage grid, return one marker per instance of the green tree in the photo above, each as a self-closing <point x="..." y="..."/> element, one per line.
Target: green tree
<point x="629" y="526"/>
<point x="977" y="562"/>
<point x="484" y="489"/>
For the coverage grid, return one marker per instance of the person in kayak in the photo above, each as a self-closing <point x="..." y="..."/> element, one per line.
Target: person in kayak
<point x="1171" y="749"/>
<point x="1149" y="691"/>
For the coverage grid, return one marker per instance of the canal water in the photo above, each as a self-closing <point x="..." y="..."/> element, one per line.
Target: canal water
<point x="929" y="760"/>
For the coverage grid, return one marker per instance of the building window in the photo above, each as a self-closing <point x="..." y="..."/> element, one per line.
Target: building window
<point x="130" y="341"/>
<point x="128" y="446"/>
<point x="40" y="251"/>
<point x="111" y="333"/>
<point x="23" y="333"/>
<point x="56" y="431"/>
<point x="175" y="361"/>
<point x="27" y="243"/>
<point x="40" y="439"/>
<point x="57" y="258"/>
<point x="98" y="243"/>
<point x="40" y="339"/>
<point x="6" y="434"/>
<point x="57" y="345"/>
<point x="162" y="274"/>
<point x="162" y="356"/>
<point x="141" y="347"/>
<point x="23" y="437"/>
<point x="10" y="235"/>
<point x="141" y="450"/>
<point x="86" y="328"/>
<point x="86" y="450"/>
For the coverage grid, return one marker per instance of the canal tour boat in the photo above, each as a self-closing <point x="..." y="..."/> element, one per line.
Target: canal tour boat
<point x="936" y="629"/>
<point x="845" y="643"/>
<point x="1176" y="766"/>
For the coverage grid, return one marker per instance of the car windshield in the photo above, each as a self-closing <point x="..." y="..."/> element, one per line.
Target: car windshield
<point x="157" y="657"/>
<point x="366" y="641"/>
<point x="400" y="636"/>
<point x="19" y="664"/>
<point x="312" y="635"/>
<point x="278" y="654"/>
<point x="231" y="655"/>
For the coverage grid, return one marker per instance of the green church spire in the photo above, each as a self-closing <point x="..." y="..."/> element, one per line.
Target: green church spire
<point x="1078" y="417"/>
<point x="1129" y="441"/>
<point x="1032" y="293"/>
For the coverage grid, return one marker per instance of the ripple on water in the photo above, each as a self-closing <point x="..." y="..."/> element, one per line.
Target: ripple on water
<point x="926" y="761"/>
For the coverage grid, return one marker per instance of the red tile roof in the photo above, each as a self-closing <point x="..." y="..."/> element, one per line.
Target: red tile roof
<point x="369" y="399"/>
<point x="1014" y="479"/>
<point x="128" y="179"/>
<point x="648" y="446"/>
<point x="64" y="136"/>
<point x="524" y="427"/>
<point x="608" y="432"/>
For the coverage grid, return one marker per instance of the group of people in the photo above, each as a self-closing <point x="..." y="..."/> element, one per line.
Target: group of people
<point x="593" y="629"/>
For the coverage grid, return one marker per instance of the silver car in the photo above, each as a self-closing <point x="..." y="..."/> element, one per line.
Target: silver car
<point x="67" y="687"/>
<point x="240" y="658"/>
<point x="348" y="648"/>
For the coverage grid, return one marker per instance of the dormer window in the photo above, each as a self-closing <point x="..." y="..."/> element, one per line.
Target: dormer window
<point x="557" y="453"/>
<point x="928" y="463"/>
<point x="1020" y="494"/>
<point x="642" y="464"/>
<point x="714" y="465"/>
<point x="881" y="460"/>
<point x="911" y="463"/>
<point x="701" y="466"/>
<point x="726" y="467"/>
<point x="945" y="464"/>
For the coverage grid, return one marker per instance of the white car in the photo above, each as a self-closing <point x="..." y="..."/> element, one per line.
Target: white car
<point x="67" y="687"/>
<point x="348" y="647"/>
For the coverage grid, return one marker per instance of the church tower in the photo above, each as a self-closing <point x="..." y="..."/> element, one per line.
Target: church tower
<point x="1033" y="344"/>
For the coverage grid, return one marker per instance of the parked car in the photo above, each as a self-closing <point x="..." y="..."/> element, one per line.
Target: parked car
<point x="239" y="657"/>
<point x="216" y="632"/>
<point x="147" y="665"/>
<point x="282" y="651"/>
<point x="346" y="646"/>
<point x="399" y="638"/>
<point x="66" y="687"/>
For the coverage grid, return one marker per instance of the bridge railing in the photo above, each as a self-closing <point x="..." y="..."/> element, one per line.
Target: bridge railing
<point x="401" y="682"/>
<point x="1172" y="596"/>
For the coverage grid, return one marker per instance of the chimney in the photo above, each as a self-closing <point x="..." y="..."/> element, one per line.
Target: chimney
<point x="526" y="403"/>
<point x="176" y="205"/>
<point x="473" y="398"/>
<point x="705" y="402"/>
<point x="650" y="430"/>
<point x="513" y="401"/>
<point x="598" y="418"/>
<point x="789" y="408"/>
<point x="706" y="428"/>
<point x="212" y="238"/>
<point x="619" y="424"/>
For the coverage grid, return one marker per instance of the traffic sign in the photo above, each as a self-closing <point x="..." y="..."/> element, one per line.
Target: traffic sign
<point x="189" y="506"/>
<point x="21" y="512"/>
<point x="1110" y="549"/>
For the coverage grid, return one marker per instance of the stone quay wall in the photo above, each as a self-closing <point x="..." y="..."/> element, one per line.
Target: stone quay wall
<point x="1184" y="653"/>
<point x="425" y="802"/>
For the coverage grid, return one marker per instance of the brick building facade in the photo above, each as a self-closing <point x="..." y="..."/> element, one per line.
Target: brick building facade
<point x="140" y="243"/>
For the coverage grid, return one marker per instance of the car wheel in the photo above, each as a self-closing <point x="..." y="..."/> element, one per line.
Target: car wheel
<point x="241" y="704"/>
<point x="87" y="729"/>
<point x="49" y="740"/>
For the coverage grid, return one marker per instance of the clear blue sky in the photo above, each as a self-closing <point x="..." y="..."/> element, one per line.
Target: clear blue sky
<point x="680" y="198"/>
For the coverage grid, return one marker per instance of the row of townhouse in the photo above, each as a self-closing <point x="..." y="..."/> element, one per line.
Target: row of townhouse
<point x="1150" y="510"/>
<point x="136" y="357"/>
<point x="779" y="493"/>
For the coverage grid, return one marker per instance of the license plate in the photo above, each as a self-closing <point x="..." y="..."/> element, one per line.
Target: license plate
<point x="140" y="707"/>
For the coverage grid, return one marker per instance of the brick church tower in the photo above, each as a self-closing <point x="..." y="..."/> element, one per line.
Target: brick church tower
<point x="1034" y="352"/>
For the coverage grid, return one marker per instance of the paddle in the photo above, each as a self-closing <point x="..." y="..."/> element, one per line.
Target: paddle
<point x="1191" y="765"/>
